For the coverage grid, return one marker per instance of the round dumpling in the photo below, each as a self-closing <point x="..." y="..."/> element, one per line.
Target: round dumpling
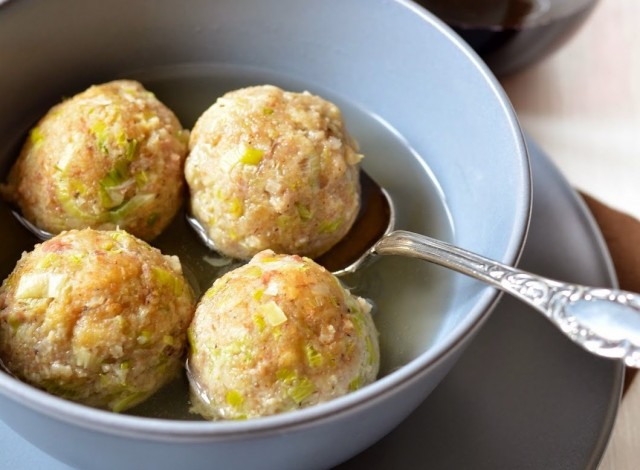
<point x="109" y="157"/>
<point x="278" y="334"/>
<point x="271" y="169"/>
<point x="98" y="317"/>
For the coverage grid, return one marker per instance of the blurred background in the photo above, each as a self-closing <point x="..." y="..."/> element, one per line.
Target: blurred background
<point x="574" y="80"/>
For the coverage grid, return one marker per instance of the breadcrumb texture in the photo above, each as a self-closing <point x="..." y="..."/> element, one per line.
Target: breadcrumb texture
<point x="97" y="317"/>
<point x="278" y="334"/>
<point x="272" y="169"/>
<point x="111" y="156"/>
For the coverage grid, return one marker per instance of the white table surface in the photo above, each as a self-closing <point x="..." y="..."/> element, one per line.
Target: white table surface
<point x="582" y="106"/>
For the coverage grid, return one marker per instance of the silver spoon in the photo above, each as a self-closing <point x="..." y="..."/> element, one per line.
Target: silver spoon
<point x="37" y="231"/>
<point x="603" y="321"/>
<point x="6" y="370"/>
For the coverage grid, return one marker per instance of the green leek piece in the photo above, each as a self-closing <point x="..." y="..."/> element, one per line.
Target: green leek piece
<point x="371" y="352"/>
<point x="99" y="131"/>
<point x="276" y="332"/>
<point x="283" y="221"/>
<point x="40" y="286"/>
<point x="84" y="358"/>
<point x="234" y="398"/>
<point x="301" y="389"/>
<point x="48" y="260"/>
<point x="63" y="162"/>
<point x="236" y="207"/>
<point x="217" y="287"/>
<point x="144" y="337"/>
<point x="67" y="191"/>
<point x="118" y="174"/>
<point x="286" y="376"/>
<point x="14" y="321"/>
<point x="358" y="323"/>
<point x="298" y="388"/>
<point x="76" y="258"/>
<point x="166" y="278"/>
<point x="330" y="226"/>
<point x="141" y="178"/>
<point x="110" y="198"/>
<point x="257" y="294"/>
<point x="253" y="271"/>
<point x="303" y="211"/>
<point x="131" y="149"/>
<point x="355" y="384"/>
<point x="121" y="212"/>
<point x="258" y="320"/>
<point x="314" y="358"/>
<point x="98" y="128"/>
<point x="273" y="314"/>
<point x="123" y="324"/>
<point x="191" y="339"/>
<point x="252" y="156"/>
<point x="115" y="184"/>
<point x="36" y="136"/>
<point x="120" y="236"/>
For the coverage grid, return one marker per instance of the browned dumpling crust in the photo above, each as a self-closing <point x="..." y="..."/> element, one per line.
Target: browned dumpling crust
<point x="98" y="317"/>
<point x="109" y="157"/>
<point x="272" y="169"/>
<point x="278" y="334"/>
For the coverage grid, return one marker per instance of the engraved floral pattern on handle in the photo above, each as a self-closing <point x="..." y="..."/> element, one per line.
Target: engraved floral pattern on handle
<point x="603" y="321"/>
<point x="565" y="303"/>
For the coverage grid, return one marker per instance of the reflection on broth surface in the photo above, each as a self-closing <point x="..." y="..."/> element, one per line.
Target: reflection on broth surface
<point x="406" y="292"/>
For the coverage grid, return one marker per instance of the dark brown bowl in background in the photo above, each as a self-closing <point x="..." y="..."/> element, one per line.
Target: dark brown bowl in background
<point x="512" y="34"/>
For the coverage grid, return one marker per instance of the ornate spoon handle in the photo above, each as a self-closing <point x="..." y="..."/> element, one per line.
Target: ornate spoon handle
<point x="603" y="321"/>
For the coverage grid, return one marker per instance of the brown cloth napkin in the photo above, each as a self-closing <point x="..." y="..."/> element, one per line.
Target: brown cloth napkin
<point x="622" y="234"/>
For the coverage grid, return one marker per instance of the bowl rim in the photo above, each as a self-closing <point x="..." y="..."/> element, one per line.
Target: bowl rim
<point x="159" y="429"/>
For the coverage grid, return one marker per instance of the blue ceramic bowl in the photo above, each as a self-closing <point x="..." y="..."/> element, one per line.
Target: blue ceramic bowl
<point x="436" y="130"/>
